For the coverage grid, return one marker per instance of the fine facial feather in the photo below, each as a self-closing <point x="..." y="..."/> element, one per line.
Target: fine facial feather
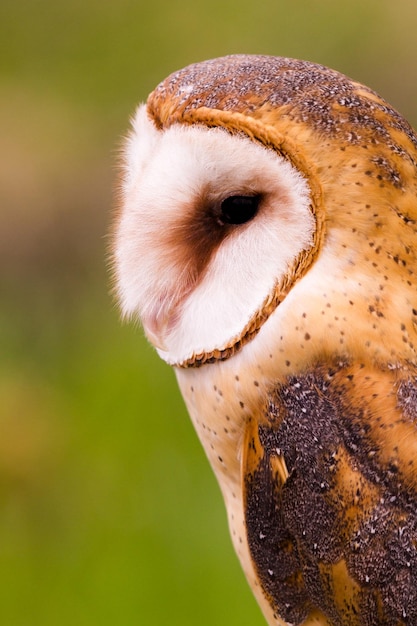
<point x="311" y="426"/>
<point x="174" y="181"/>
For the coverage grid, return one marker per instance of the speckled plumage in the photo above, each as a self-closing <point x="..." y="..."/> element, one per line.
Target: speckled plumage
<point x="308" y="414"/>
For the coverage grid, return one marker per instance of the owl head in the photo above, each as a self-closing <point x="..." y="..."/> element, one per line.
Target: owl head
<point x="257" y="187"/>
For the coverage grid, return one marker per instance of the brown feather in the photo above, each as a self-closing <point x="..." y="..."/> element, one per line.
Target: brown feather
<point x="339" y="534"/>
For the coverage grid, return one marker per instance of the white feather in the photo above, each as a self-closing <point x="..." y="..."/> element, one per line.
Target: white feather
<point x="166" y="175"/>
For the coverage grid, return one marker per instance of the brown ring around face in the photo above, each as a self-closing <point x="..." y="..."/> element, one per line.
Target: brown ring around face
<point x="237" y="123"/>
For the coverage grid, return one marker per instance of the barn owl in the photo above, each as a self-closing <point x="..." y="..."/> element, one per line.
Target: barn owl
<point x="266" y="240"/>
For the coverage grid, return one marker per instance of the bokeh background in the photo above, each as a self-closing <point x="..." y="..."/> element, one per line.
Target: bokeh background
<point x="109" y="513"/>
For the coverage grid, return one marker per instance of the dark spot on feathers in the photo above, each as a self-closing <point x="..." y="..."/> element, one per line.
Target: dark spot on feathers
<point x="297" y="526"/>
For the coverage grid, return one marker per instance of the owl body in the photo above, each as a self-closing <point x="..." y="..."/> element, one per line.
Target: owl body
<point x="266" y="240"/>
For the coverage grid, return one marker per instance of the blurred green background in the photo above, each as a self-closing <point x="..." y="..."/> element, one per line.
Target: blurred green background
<point x="109" y="512"/>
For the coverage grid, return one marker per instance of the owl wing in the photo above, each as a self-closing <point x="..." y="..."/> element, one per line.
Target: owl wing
<point x="330" y="497"/>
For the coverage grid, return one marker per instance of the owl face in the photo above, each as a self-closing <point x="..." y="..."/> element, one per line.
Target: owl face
<point x="212" y="224"/>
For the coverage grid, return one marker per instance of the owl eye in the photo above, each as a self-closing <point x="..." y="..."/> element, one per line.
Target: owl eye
<point x="238" y="209"/>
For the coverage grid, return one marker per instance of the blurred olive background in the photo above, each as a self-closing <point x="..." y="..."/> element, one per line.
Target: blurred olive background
<point x="109" y="512"/>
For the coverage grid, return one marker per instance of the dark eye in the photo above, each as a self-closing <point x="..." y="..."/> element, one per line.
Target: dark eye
<point x="238" y="209"/>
